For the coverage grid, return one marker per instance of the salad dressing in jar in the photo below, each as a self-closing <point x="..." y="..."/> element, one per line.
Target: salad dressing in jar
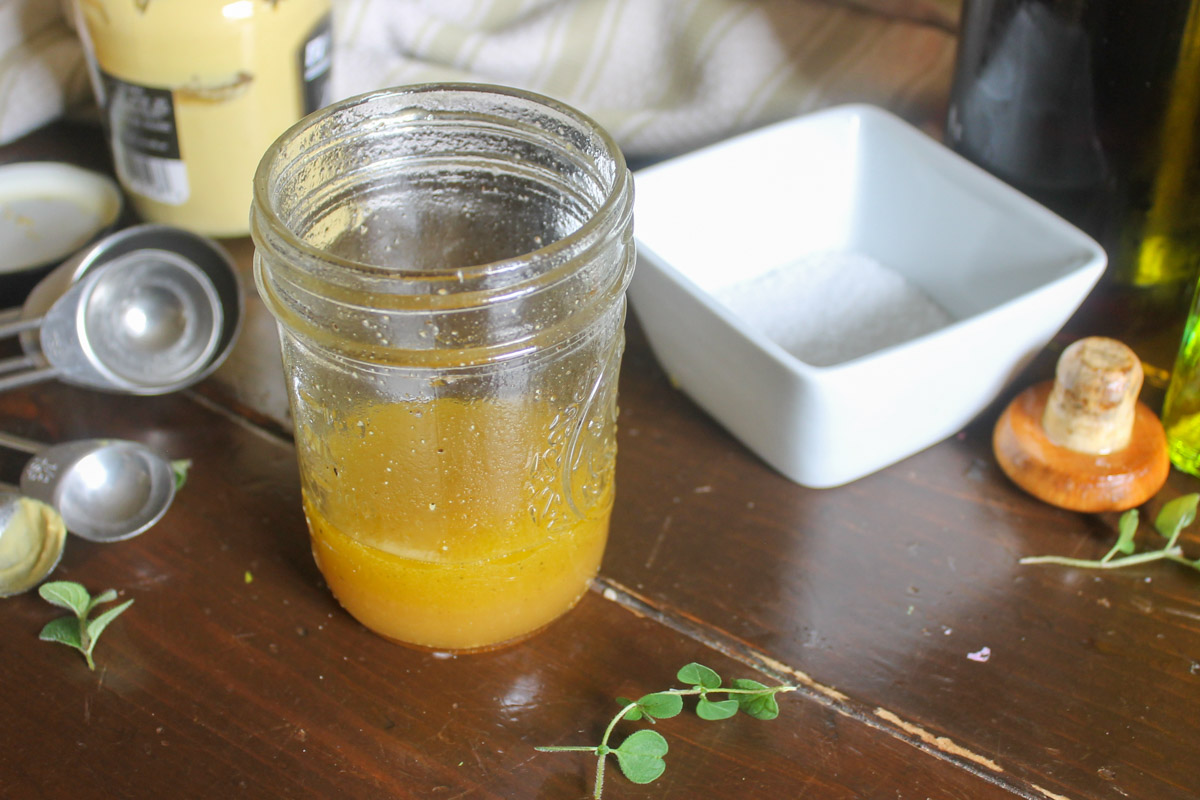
<point x="448" y="266"/>
<point x="194" y="91"/>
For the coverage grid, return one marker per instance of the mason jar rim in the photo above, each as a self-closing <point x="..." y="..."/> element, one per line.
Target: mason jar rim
<point x="615" y="195"/>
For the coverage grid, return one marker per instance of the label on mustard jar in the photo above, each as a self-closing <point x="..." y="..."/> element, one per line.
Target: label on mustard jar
<point x="316" y="59"/>
<point x="145" y="139"/>
<point x="193" y="93"/>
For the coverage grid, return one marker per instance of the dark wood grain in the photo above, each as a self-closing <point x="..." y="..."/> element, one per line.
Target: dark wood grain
<point x="235" y="673"/>
<point x="880" y="589"/>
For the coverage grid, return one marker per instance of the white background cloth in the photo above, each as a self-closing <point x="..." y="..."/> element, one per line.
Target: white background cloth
<point x="663" y="76"/>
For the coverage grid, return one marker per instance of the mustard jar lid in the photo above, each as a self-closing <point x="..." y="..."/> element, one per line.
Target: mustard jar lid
<point x="49" y="210"/>
<point x="32" y="538"/>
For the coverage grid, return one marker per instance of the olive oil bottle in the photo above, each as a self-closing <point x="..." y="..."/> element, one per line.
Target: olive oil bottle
<point x="1181" y="409"/>
<point x="1092" y="107"/>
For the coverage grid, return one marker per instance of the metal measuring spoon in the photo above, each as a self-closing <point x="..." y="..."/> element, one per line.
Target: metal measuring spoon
<point x="106" y="489"/>
<point x="145" y="322"/>
<point x="32" y="537"/>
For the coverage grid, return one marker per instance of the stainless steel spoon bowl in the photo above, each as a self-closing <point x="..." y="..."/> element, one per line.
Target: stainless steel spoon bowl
<point x="147" y="310"/>
<point x="106" y="489"/>
<point x="141" y="322"/>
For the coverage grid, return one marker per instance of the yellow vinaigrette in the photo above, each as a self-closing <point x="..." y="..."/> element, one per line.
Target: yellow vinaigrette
<point x="450" y="525"/>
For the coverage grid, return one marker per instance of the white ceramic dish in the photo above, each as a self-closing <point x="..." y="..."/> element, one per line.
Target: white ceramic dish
<point x="48" y="210"/>
<point x="849" y="180"/>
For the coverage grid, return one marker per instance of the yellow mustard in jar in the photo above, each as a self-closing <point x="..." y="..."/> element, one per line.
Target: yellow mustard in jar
<point x="194" y="92"/>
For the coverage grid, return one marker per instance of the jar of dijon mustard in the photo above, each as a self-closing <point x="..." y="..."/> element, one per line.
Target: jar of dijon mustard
<point x="192" y="93"/>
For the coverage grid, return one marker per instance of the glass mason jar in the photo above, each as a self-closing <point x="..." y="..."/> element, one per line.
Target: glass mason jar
<point x="193" y="92"/>
<point x="448" y="265"/>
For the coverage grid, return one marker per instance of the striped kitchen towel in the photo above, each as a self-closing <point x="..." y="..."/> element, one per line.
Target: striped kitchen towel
<point x="663" y="76"/>
<point x="42" y="73"/>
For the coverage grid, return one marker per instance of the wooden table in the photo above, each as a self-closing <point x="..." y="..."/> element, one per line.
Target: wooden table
<point x="235" y="673"/>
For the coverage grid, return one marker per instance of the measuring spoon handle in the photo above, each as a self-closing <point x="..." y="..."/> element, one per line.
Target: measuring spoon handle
<point x="20" y="443"/>
<point x="16" y="380"/>
<point x="14" y="326"/>
<point x="18" y="362"/>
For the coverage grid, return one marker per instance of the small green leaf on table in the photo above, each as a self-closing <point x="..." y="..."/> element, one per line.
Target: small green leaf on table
<point x="640" y="756"/>
<point x="78" y="631"/>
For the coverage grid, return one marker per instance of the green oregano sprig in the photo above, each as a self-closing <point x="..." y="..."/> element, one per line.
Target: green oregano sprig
<point x="640" y="754"/>
<point x="179" y="469"/>
<point x="78" y="631"/>
<point x="1174" y="516"/>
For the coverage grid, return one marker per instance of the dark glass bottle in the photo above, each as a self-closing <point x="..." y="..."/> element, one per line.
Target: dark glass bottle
<point x="1092" y="107"/>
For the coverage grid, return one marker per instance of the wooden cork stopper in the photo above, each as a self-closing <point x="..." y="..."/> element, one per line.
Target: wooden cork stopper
<point x="1084" y="442"/>
<point x="1096" y="386"/>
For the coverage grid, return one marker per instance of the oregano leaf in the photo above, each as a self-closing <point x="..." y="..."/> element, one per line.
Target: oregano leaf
<point x="633" y="714"/>
<point x="716" y="709"/>
<point x="179" y="469"/>
<point x="97" y="626"/>
<point x="759" y="706"/>
<point x="640" y="756"/>
<point x="64" y="630"/>
<point x="1176" y="515"/>
<point x="695" y="674"/>
<point x="661" y="705"/>
<point x="68" y="595"/>
<point x="1127" y="527"/>
<point x="107" y="596"/>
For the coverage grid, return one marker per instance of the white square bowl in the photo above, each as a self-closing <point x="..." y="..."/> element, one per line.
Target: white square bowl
<point x="851" y="180"/>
